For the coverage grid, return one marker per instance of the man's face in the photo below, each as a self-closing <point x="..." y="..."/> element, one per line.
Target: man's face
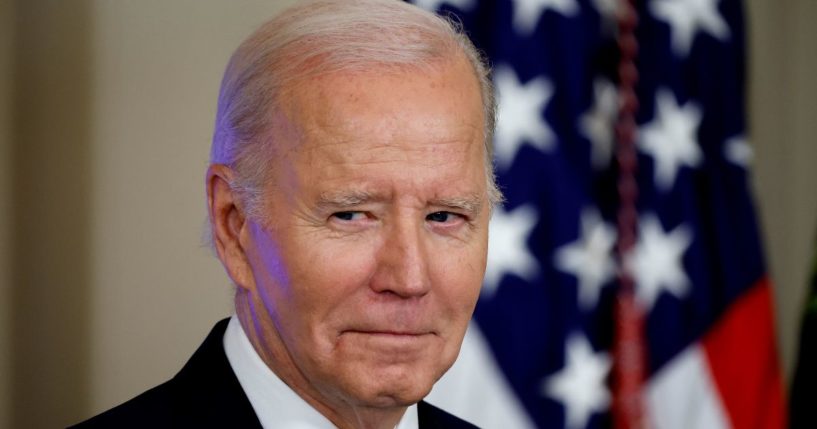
<point x="372" y="244"/>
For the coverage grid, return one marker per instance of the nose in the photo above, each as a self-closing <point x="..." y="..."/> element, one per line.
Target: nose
<point x="402" y="263"/>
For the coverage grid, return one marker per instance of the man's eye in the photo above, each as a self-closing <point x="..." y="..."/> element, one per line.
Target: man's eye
<point x="442" y="217"/>
<point x="349" y="216"/>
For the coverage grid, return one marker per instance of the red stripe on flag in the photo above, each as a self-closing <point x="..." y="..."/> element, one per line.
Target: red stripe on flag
<point x="742" y="355"/>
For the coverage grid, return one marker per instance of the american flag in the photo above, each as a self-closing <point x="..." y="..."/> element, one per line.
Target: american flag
<point x="539" y="353"/>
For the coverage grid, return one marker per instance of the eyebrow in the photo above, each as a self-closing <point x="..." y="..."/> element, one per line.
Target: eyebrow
<point x="471" y="204"/>
<point x="346" y="199"/>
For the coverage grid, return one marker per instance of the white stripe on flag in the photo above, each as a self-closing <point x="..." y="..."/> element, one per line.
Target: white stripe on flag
<point x="475" y="388"/>
<point x="683" y="395"/>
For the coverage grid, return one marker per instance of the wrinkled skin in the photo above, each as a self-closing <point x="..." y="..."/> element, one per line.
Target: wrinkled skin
<point x="357" y="281"/>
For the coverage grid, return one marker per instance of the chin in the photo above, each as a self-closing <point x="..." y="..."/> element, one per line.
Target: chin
<point x="381" y="373"/>
<point x="402" y="387"/>
<point x="403" y="396"/>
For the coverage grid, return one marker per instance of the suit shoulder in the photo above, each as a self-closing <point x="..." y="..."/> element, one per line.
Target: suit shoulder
<point x="432" y="417"/>
<point x="150" y="409"/>
<point x="205" y="393"/>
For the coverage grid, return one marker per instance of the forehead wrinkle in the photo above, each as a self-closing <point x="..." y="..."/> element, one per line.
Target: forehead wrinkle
<point x="322" y="124"/>
<point x="346" y="182"/>
<point x="361" y="193"/>
<point x="423" y="154"/>
<point x="345" y="140"/>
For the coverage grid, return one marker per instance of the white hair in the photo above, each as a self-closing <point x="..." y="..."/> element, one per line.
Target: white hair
<point x="322" y="37"/>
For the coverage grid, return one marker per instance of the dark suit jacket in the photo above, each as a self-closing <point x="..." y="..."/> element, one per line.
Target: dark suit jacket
<point x="206" y="393"/>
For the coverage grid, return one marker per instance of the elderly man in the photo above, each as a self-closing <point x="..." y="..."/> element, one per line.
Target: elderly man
<point x="349" y="194"/>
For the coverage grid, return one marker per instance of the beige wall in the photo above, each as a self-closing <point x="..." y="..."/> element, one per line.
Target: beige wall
<point x="49" y="210"/>
<point x="6" y="54"/>
<point x="106" y="110"/>
<point x="783" y="120"/>
<point x="155" y="291"/>
<point x="112" y="104"/>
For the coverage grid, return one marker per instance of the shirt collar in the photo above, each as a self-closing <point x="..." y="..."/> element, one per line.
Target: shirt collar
<point x="275" y="404"/>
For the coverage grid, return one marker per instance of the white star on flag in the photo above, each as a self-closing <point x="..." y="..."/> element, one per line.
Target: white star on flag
<point x="671" y="138"/>
<point x="608" y="9"/>
<point x="507" y="248"/>
<point x="590" y="258"/>
<point x="519" y="118"/>
<point x="597" y="124"/>
<point x="432" y="5"/>
<point x="526" y="13"/>
<point x="608" y="12"/>
<point x="737" y="151"/>
<point x="686" y="18"/>
<point x="657" y="261"/>
<point x="580" y="385"/>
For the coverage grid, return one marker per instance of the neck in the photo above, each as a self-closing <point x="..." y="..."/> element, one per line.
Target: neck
<point x="265" y="339"/>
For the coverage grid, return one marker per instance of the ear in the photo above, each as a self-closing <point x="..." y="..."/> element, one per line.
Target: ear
<point x="227" y="225"/>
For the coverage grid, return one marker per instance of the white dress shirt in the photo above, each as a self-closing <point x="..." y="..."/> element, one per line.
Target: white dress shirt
<point x="276" y="405"/>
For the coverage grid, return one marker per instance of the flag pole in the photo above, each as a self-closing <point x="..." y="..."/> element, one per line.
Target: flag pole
<point x="629" y="352"/>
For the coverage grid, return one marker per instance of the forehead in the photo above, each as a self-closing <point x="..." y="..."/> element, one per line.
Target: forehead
<point x="346" y="101"/>
<point x="385" y="119"/>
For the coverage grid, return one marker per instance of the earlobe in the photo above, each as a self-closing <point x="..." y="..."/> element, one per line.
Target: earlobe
<point x="227" y="224"/>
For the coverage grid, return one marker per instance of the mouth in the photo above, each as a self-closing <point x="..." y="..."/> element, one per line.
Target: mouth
<point x="387" y="345"/>
<point x="391" y="346"/>
<point x="386" y="336"/>
<point x="389" y="333"/>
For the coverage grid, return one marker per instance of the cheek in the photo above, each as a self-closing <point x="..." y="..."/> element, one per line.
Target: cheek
<point x="459" y="280"/>
<point x="325" y="277"/>
<point x="269" y="270"/>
